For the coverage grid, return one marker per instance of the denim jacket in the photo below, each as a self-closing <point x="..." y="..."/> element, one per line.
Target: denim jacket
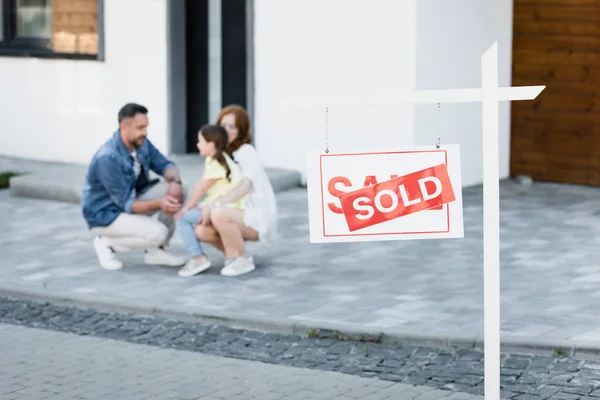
<point x="110" y="182"/>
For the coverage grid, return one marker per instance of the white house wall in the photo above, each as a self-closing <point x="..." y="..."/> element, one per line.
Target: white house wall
<point x="452" y="36"/>
<point x="62" y="110"/>
<point x="314" y="47"/>
<point x="341" y="46"/>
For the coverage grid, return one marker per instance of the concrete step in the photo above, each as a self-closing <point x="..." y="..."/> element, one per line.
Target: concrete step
<point x="64" y="182"/>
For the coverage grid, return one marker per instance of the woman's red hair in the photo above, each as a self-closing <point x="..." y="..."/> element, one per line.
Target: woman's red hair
<point x="242" y="123"/>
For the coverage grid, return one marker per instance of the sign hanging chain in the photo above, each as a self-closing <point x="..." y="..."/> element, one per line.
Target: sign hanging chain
<point x="437" y="143"/>
<point x="326" y="129"/>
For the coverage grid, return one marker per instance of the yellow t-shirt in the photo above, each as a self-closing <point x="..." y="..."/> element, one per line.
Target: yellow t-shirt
<point x="214" y="170"/>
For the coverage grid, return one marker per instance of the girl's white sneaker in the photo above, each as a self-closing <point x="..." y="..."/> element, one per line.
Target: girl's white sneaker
<point x="194" y="266"/>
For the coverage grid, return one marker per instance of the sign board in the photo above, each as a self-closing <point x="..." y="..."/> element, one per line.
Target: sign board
<point x="413" y="193"/>
<point x="331" y="228"/>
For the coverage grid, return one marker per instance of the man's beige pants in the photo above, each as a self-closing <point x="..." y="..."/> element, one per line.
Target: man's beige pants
<point x="141" y="231"/>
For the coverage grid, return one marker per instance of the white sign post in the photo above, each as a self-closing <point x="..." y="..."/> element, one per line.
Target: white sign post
<point x="489" y="95"/>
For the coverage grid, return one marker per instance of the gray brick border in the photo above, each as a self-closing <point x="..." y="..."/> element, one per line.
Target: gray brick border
<point x="581" y="349"/>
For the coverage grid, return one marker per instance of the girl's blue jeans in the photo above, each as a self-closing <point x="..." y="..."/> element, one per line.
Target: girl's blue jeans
<point x="186" y="226"/>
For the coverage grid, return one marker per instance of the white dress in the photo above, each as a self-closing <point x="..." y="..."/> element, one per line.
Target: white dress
<point x="260" y="211"/>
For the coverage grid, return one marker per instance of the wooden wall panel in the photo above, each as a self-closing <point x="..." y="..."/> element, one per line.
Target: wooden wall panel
<point x="75" y="26"/>
<point x="557" y="137"/>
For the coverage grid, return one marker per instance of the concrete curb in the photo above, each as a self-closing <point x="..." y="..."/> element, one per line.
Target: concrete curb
<point x="589" y="350"/>
<point x="30" y="186"/>
<point x="38" y="179"/>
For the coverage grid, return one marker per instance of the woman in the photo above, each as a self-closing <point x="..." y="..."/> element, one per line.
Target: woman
<point x="228" y="228"/>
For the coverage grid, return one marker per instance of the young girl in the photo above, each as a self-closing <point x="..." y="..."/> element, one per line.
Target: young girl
<point x="221" y="175"/>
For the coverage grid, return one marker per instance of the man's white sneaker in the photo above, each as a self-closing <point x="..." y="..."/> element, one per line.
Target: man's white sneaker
<point x="194" y="266"/>
<point x="106" y="256"/>
<point x="161" y="257"/>
<point x="238" y="266"/>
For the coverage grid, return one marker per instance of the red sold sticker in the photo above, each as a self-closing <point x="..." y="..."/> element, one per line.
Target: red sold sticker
<point x="404" y="195"/>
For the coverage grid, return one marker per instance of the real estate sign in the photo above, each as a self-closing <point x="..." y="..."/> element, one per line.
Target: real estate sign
<point x="412" y="193"/>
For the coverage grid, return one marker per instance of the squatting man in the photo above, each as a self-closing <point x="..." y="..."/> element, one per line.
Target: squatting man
<point x="120" y="200"/>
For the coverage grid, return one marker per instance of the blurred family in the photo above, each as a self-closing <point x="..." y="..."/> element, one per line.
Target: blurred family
<point x="232" y="203"/>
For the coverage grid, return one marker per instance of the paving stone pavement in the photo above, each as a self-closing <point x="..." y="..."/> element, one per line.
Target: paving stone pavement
<point x="41" y="364"/>
<point x="445" y="372"/>
<point x="550" y="242"/>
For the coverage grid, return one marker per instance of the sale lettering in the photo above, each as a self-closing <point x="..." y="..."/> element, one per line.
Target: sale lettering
<point x="397" y="197"/>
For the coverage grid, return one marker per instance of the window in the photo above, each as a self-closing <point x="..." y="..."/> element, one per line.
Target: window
<point x="51" y="28"/>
